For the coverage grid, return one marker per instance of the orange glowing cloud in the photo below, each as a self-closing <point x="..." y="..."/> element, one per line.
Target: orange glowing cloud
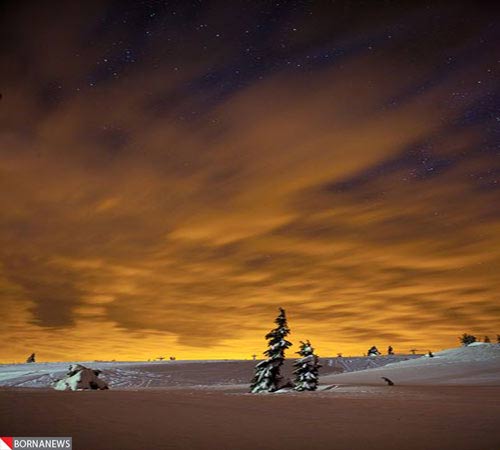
<point x="346" y="194"/>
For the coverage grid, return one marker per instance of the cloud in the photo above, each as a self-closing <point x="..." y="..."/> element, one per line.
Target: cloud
<point x="357" y="194"/>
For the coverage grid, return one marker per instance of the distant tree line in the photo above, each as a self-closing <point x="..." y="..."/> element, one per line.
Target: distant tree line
<point x="467" y="339"/>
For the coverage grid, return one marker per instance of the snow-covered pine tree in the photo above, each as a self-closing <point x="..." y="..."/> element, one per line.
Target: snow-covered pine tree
<point x="306" y="368"/>
<point x="267" y="373"/>
<point x="467" y="339"/>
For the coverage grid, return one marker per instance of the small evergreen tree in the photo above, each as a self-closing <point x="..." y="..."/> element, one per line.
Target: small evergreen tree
<point x="487" y="340"/>
<point x="373" y="351"/>
<point x="306" y="368"/>
<point x="467" y="339"/>
<point x="267" y="373"/>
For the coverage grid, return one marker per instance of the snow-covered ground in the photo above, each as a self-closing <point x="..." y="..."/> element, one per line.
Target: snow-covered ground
<point x="476" y="364"/>
<point x="357" y="363"/>
<point x="172" y="374"/>
<point x="207" y="405"/>
<point x="119" y="374"/>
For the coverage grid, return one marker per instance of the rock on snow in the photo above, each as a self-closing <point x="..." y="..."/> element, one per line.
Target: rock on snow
<point x="80" y="377"/>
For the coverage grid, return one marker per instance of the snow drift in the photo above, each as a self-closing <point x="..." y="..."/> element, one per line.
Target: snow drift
<point x="477" y="364"/>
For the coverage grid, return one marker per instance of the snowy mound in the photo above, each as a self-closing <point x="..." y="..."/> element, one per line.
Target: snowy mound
<point x="474" y="364"/>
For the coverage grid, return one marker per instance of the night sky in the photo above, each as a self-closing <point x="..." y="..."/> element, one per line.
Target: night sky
<point x="173" y="172"/>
